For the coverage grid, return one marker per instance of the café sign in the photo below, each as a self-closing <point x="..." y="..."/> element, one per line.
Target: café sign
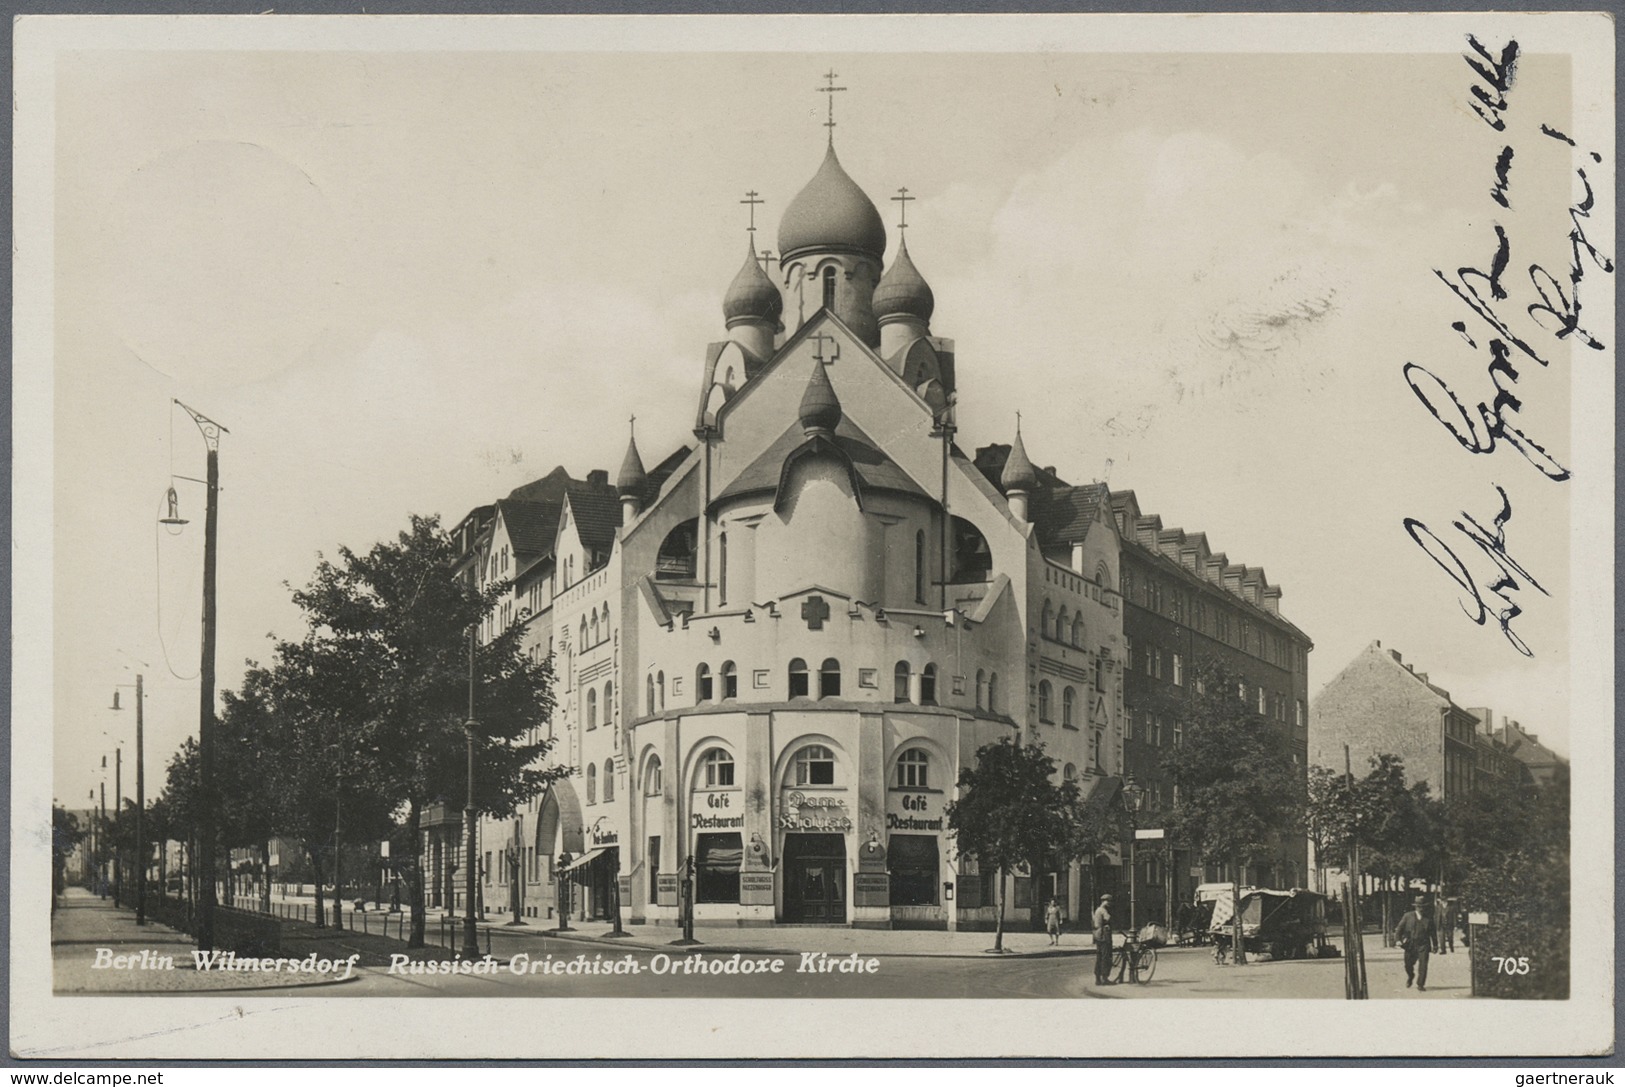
<point x="814" y="813"/>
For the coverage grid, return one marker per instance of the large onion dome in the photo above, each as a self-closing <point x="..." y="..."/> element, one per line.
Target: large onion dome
<point x="831" y="213"/>
<point x="820" y="410"/>
<point x="752" y="296"/>
<point x="902" y="291"/>
<point x="1019" y="473"/>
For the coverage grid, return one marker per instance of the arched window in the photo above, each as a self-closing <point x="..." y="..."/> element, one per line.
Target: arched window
<point x="900" y="682"/>
<point x="1063" y="625"/>
<point x="592" y="783"/>
<point x="609" y="780"/>
<point x="604" y="630"/>
<point x="981" y="689"/>
<point x="919" y="567"/>
<point x="702" y="683"/>
<point x="583" y="639"/>
<point x="1097" y="740"/>
<point x="594" y="630"/>
<point x="1043" y="700"/>
<point x="912" y="766"/>
<point x="829" y="679"/>
<point x="592" y="708"/>
<point x="730" y="680"/>
<point x="928" y="686"/>
<point x="1103" y="576"/>
<point x="1069" y="700"/>
<point x="660" y="688"/>
<point x="1069" y="773"/>
<point x="653" y="780"/>
<point x="798" y="678"/>
<point x="722" y="568"/>
<point x="1046" y="626"/>
<point x="677" y="560"/>
<point x="649" y="694"/>
<point x="609" y="703"/>
<point x="993" y="692"/>
<point x="829" y="288"/>
<point x="719" y="769"/>
<point x="1077" y="631"/>
<point x="815" y="765"/>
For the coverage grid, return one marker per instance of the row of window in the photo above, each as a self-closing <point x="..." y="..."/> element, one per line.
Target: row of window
<point x="814" y="765"/>
<point x="594" y="630"/>
<point x="723" y="685"/>
<point x="1069" y="705"/>
<point x="1148" y="727"/>
<point x="1175" y="603"/>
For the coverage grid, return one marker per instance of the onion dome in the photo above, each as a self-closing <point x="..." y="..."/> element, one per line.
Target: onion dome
<point x="1019" y="473"/>
<point x="820" y="410"/>
<point x="902" y="291"/>
<point x="831" y="212"/>
<point x="632" y="477"/>
<point x="752" y="296"/>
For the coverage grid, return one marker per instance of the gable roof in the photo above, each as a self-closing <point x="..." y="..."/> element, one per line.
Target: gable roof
<point x="598" y="515"/>
<point x="873" y="469"/>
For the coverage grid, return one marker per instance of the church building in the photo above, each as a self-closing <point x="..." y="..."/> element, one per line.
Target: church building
<point x="776" y="648"/>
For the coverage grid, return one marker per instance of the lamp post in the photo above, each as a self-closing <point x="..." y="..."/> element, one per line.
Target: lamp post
<point x="688" y="899"/>
<point x="1133" y="798"/>
<point x="211" y="432"/>
<point x="564" y="860"/>
<point x="140" y="799"/>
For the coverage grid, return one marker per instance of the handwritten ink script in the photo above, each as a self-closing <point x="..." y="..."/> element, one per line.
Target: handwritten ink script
<point x="1492" y="596"/>
<point x="1520" y="332"/>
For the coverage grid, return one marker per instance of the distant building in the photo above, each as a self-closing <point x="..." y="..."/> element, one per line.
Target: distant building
<point x="1540" y="765"/>
<point x="1379" y="705"/>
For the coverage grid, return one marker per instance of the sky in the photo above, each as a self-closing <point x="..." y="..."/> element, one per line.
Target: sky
<point x="407" y="282"/>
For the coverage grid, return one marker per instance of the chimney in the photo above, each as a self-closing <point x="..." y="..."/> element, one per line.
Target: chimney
<point x="598" y="477"/>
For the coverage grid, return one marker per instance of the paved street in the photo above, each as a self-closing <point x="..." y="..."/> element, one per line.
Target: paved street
<point x="729" y="963"/>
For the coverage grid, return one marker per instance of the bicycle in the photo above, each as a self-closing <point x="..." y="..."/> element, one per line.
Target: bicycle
<point x="1135" y="960"/>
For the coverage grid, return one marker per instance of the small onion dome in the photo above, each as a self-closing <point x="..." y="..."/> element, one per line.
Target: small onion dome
<point x="752" y="296"/>
<point x="902" y="291"/>
<point x="820" y="410"/>
<point x="831" y="213"/>
<point x="632" y="477"/>
<point x="1019" y="473"/>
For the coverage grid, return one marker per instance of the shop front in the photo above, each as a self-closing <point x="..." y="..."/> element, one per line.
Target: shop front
<point x="915" y="823"/>
<point x="814" y="852"/>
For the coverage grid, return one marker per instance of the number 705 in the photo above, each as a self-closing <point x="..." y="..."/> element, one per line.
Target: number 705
<point x="1505" y="964"/>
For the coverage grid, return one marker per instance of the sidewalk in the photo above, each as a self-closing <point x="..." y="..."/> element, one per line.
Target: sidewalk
<point x="150" y="958"/>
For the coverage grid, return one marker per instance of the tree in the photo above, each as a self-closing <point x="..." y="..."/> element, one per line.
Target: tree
<point x="1011" y="812"/>
<point x="1240" y="794"/>
<point x="392" y="629"/>
<point x="66" y="834"/>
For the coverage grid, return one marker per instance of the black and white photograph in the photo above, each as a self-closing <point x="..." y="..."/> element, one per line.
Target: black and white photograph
<point x="813" y="536"/>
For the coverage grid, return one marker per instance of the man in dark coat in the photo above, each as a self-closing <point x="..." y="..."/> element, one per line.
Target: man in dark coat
<point x="1101" y="922"/>
<point x="1415" y="935"/>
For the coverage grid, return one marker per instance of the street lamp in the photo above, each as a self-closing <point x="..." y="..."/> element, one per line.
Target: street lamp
<point x="564" y="860"/>
<point x="1133" y="800"/>
<point x="211" y="432"/>
<point x="140" y="796"/>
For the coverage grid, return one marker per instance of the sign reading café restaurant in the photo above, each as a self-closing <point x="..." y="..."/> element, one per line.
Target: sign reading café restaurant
<point x="914" y="811"/>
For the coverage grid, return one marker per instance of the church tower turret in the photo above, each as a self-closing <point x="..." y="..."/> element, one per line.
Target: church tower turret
<point x="903" y="304"/>
<point x="752" y="307"/>
<point x="629" y="484"/>
<point x="831" y="246"/>
<point x="1019" y="477"/>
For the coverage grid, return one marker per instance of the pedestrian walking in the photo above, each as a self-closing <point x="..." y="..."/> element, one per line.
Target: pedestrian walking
<point x="1447" y="925"/>
<point x="1415" y="934"/>
<point x="1052" y="922"/>
<point x="1101" y="921"/>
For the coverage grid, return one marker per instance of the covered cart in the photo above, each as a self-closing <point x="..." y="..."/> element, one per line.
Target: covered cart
<point x="1282" y="924"/>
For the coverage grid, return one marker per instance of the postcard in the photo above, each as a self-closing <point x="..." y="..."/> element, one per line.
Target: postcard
<point x="811" y="536"/>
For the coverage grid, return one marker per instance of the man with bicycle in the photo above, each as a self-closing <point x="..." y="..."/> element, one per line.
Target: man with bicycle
<point x="1102" y="922"/>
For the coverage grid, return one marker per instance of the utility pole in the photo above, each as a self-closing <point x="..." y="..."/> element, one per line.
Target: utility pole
<point x="140" y="805"/>
<point x="1355" y="952"/>
<point x="118" y="805"/>
<point x="471" y="932"/>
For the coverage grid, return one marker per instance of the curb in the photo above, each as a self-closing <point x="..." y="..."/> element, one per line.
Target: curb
<point x="731" y="949"/>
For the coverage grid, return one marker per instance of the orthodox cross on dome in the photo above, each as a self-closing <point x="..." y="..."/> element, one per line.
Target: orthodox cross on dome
<point x="750" y="198"/>
<point x="766" y="255"/>
<point x="902" y="198"/>
<point x="818" y="348"/>
<point x="632" y="424"/>
<point x="830" y="90"/>
<point x="815" y="609"/>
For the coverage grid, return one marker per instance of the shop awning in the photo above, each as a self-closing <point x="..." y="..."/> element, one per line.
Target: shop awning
<point x="586" y="858"/>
